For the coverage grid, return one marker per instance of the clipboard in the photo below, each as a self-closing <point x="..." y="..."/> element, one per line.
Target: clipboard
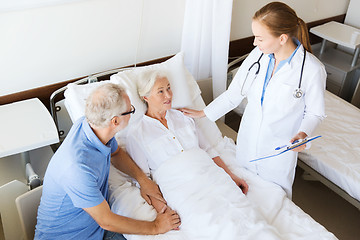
<point x="288" y="148"/>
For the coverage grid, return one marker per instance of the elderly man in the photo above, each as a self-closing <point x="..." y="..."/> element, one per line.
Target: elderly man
<point x="75" y="191"/>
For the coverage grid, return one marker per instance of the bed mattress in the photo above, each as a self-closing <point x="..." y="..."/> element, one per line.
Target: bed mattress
<point x="336" y="155"/>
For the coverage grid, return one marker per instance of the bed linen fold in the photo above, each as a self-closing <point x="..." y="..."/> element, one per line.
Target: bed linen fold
<point x="211" y="206"/>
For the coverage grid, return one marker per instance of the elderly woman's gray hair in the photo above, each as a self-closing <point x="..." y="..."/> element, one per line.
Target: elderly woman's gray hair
<point x="147" y="81"/>
<point x="104" y="103"/>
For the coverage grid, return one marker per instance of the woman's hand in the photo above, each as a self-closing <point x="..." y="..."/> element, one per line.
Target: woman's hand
<point x="300" y="135"/>
<point x="193" y="113"/>
<point x="241" y="183"/>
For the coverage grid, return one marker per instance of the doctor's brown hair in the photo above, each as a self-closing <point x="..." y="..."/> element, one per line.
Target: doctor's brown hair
<point x="282" y="19"/>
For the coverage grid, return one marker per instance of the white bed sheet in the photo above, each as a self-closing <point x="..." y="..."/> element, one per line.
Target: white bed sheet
<point x="265" y="204"/>
<point x="337" y="154"/>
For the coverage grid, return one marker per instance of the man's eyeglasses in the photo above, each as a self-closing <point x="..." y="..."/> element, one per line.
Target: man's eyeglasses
<point x="132" y="111"/>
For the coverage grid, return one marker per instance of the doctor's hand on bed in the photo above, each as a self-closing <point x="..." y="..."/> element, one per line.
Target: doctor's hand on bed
<point x="300" y="135"/>
<point x="192" y="112"/>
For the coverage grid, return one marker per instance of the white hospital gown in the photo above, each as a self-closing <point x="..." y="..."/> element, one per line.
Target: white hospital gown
<point x="150" y="143"/>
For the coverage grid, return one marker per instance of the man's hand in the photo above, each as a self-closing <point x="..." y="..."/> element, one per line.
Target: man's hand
<point x="149" y="188"/>
<point x="122" y="161"/>
<point x="167" y="220"/>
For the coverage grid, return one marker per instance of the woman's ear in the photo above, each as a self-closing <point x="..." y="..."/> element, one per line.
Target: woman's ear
<point x="145" y="98"/>
<point x="283" y="38"/>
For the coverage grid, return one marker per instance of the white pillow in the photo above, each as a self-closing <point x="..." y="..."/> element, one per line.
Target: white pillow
<point x="181" y="83"/>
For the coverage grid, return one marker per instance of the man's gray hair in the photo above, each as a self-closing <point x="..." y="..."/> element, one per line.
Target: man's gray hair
<point x="104" y="103"/>
<point x="147" y="82"/>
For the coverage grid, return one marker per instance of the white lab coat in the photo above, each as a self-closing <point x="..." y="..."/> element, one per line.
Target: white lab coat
<point x="281" y="116"/>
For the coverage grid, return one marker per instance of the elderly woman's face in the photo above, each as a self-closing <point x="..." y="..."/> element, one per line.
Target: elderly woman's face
<point x="160" y="95"/>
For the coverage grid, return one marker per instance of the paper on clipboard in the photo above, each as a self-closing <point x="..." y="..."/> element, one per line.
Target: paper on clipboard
<point x="288" y="148"/>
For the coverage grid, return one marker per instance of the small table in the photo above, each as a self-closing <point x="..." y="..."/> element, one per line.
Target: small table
<point x="26" y="125"/>
<point x="341" y="34"/>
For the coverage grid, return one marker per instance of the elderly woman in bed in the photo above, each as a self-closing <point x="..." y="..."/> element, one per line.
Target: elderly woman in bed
<point x="164" y="132"/>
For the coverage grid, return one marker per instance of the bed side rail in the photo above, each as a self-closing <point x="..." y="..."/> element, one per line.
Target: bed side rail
<point x="317" y="176"/>
<point x="58" y="95"/>
<point x="233" y="64"/>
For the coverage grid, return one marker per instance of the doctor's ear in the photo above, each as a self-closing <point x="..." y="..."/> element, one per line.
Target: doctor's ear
<point x="283" y="38"/>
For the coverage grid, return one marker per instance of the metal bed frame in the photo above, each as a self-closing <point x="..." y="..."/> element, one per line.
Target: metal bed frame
<point x="59" y="93"/>
<point x="311" y="174"/>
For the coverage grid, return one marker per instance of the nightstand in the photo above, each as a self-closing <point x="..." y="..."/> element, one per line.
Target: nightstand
<point x="342" y="68"/>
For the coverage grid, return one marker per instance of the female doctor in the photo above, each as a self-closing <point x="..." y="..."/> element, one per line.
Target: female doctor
<point x="284" y="85"/>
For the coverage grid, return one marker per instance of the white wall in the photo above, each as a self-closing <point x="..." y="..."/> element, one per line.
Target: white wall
<point x="41" y="46"/>
<point x="50" y="44"/>
<point x="308" y="10"/>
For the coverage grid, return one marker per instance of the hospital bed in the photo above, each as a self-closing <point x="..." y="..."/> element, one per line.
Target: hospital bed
<point x="267" y="198"/>
<point x="335" y="158"/>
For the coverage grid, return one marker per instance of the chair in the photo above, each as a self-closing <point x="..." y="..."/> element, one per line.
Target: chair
<point x="27" y="205"/>
<point x="9" y="217"/>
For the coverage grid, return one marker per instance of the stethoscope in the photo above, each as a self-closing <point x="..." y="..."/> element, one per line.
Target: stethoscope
<point x="297" y="93"/>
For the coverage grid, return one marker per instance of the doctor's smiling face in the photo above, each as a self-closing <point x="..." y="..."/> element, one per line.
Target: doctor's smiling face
<point x="160" y="97"/>
<point x="264" y="39"/>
